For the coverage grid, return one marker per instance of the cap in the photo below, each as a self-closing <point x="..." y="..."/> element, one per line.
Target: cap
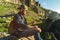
<point x="23" y="6"/>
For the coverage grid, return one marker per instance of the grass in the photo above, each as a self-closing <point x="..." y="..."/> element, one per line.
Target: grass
<point x="32" y="16"/>
<point x="5" y="10"/>
<point x="2" y="8"/>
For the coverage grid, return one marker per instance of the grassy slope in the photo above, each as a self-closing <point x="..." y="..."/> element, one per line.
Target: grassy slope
<point x="31" y="14"/>
<point x="3" y="10"/>
<point x="30" y="17"/>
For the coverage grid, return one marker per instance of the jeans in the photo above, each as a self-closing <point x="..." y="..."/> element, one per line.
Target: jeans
<point x="27" y="34"/>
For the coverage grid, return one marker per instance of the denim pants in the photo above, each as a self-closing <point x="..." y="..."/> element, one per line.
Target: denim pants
<point x="28" y="33"/>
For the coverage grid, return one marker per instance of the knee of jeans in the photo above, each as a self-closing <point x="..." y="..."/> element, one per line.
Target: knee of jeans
<point x="35" y="32"/>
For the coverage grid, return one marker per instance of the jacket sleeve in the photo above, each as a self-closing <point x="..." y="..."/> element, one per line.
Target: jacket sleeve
<point x="15" y="20"/>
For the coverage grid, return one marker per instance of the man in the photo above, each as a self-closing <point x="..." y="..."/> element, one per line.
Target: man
<point x="19" y="27"/>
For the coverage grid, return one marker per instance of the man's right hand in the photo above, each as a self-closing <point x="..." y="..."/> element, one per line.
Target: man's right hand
<point x="39" y="29"/>
<point x="34" y="28"/>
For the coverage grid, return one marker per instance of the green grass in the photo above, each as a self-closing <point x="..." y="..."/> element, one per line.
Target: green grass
<point x="3" y="29"/>
<point x="32" y="16"/>
<point x="4" y="10"/>
<point x="3" y="24"/>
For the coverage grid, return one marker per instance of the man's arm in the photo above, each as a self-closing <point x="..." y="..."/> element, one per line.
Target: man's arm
<point x="25" y="25"/>
<point x="34" y="28"/>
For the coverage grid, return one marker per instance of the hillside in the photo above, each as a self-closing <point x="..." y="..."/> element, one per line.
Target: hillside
<point x="9" y="8"/>
<point x="53" y="15"/>
<point x="35" y="13"/>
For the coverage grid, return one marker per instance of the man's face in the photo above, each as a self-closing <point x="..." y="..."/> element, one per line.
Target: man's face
<point x="23" y="10"/>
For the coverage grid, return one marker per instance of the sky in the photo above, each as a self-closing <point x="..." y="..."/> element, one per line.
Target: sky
<point x="50" y="4"/>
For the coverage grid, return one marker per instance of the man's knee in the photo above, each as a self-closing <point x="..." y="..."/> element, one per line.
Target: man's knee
<point x="35" y="32"/>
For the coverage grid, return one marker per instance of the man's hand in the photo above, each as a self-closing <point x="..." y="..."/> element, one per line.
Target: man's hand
<point x="39" y="29"/>
<point x="34" y="28"/>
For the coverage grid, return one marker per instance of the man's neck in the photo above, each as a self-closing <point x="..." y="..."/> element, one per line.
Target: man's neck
<point x="21" y="13"/>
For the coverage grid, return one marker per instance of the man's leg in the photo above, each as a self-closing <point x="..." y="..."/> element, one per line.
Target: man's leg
<point x="36" y="36"/>
<point x="29" y="33"/>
